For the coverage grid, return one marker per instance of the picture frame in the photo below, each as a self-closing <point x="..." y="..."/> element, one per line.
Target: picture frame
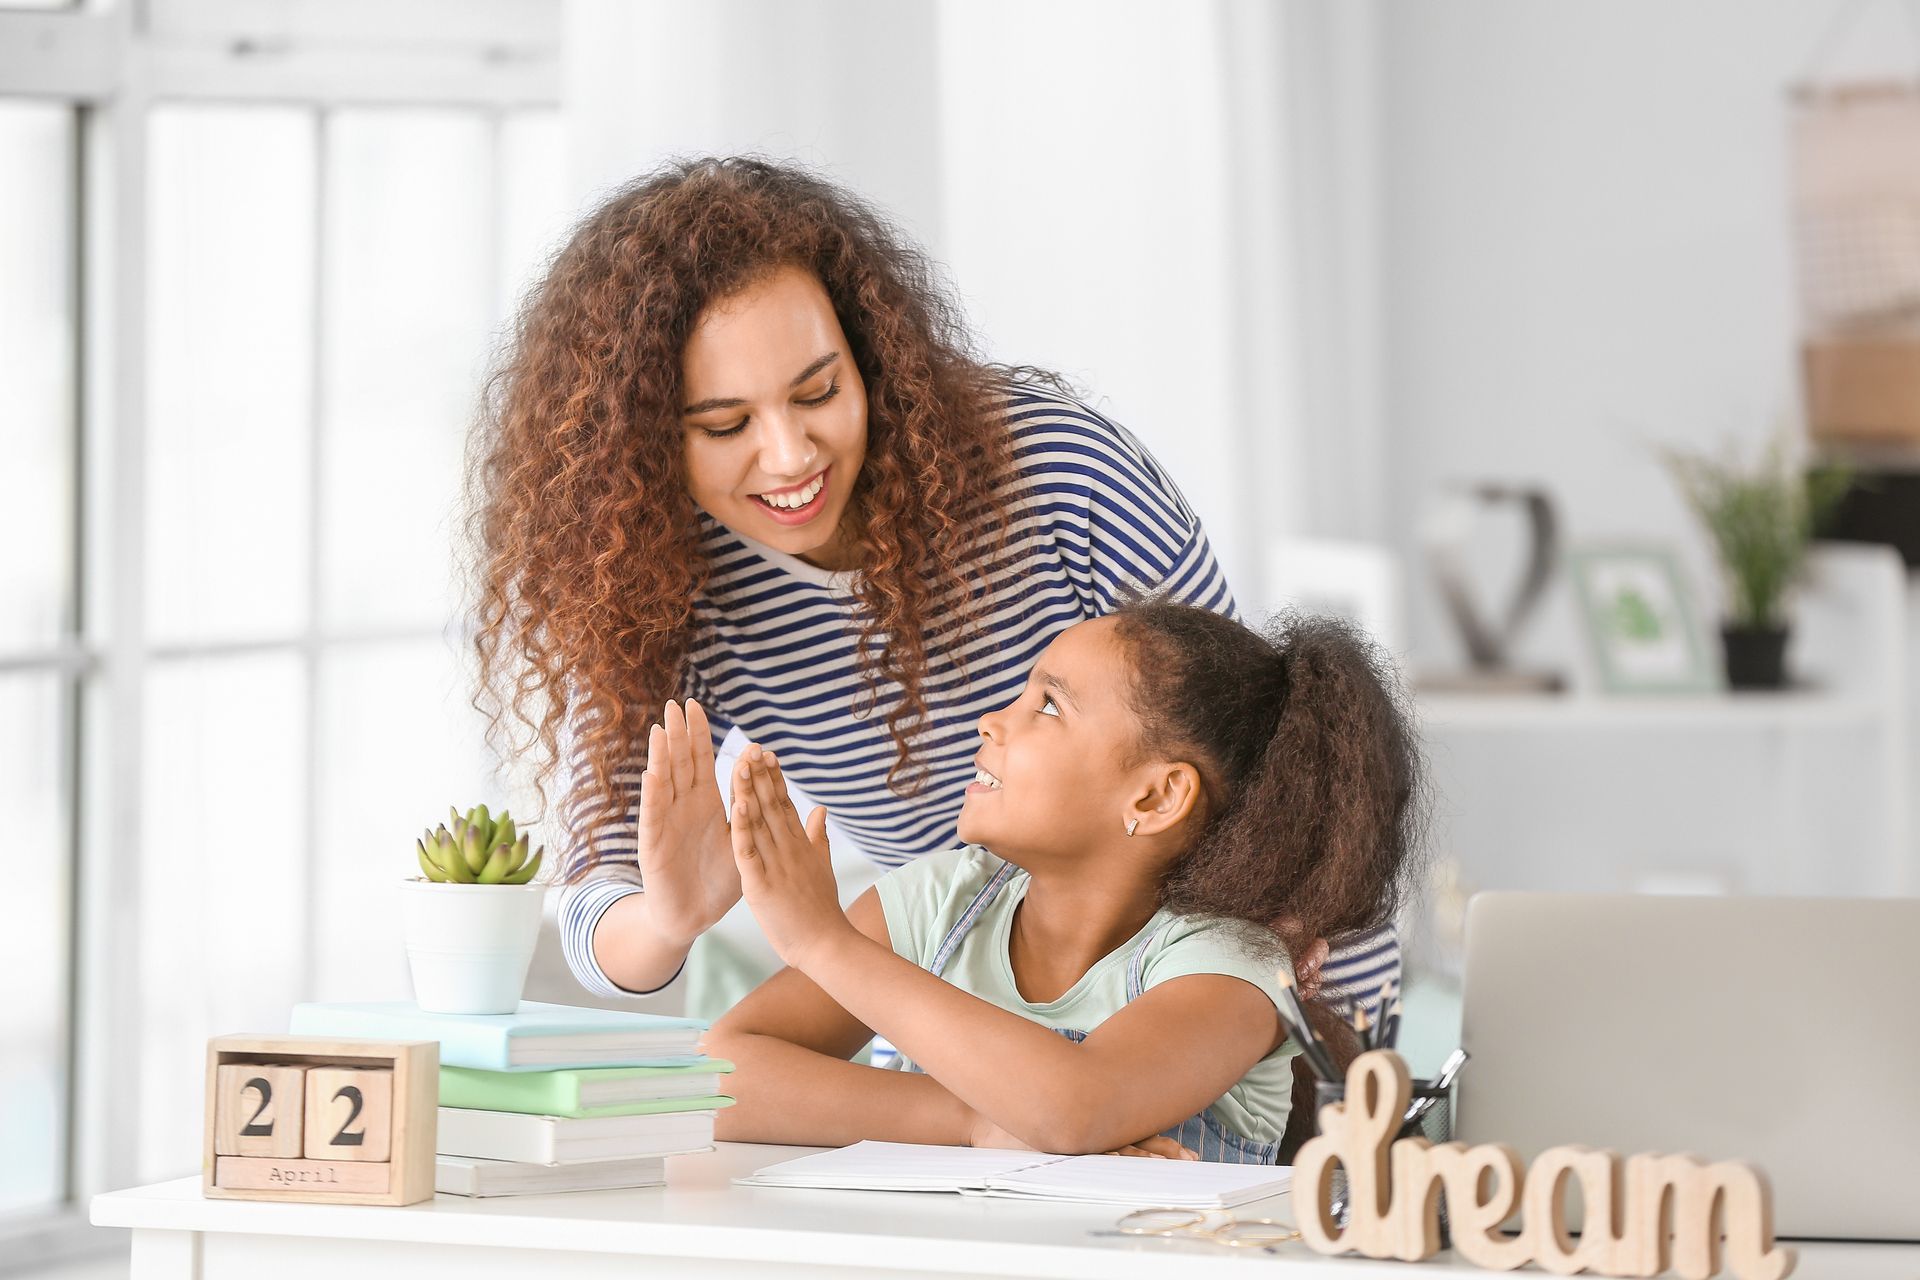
<point x="1640" y="621"/>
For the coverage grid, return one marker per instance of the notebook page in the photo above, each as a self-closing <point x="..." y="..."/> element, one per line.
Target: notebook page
<point x="1133" y="1180"/>
<point x="898" y="1166"/>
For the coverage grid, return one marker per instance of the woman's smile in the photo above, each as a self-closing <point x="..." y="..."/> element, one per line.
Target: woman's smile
<point x="775" y="423"/>
<point x="796" y="504"/>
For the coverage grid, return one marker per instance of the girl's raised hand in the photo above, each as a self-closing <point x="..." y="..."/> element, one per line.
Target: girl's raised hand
<point x="686" y="861"/>
<point x="785" y="868"/>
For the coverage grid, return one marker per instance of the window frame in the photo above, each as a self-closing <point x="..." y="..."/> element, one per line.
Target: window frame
<point x="112" y="63"/>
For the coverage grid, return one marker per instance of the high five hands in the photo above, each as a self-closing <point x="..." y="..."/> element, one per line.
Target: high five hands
<point x="785" y="866"/>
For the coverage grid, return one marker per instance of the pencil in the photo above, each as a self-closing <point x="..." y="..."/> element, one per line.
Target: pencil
<point x="1316" y="1052"/>
<point x="1449" y="1070"/>
<point x="1393" y="1022"/>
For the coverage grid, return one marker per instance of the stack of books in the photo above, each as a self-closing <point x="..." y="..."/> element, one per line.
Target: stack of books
<point x="552" y="1097"/>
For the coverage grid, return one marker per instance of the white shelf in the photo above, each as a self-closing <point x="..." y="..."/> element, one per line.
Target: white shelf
<point x="1792" y="709"/>
<point x="1808" y="789"/>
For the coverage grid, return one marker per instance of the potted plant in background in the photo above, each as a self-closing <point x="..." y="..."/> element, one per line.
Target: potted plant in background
<point x="1760" y="519"/>
<point x="473" y="916"/>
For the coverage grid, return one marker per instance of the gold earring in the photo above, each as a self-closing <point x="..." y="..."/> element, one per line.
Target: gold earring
<point x="1132" y="825"/>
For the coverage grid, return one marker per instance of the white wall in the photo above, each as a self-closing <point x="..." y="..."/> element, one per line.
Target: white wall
<point x="1109" y="201"/>
<point x="1097" y="187"/>
<point x="1586" y="248"/>
<point x="848" y="86"/>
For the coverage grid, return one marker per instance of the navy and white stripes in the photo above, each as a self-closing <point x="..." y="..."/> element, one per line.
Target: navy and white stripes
<point x="1091" y="515"/>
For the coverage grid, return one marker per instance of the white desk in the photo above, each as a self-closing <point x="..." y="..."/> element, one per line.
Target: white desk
<point x="699" y="1225"/>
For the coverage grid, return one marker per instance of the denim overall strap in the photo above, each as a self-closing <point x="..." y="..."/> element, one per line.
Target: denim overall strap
<point x="964" y="925"/>
<point x="1201" y="1134"/>
<point x="961" y="927"/>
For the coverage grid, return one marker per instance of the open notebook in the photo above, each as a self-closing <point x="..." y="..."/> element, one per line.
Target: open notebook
<point x="1028" y="1175"/>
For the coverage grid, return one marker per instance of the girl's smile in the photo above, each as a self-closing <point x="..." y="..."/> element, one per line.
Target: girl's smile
<point x="982" y="781"/>
<point x="1052" y="761"/>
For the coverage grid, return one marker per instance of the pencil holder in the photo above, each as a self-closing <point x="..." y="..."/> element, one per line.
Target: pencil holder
<point x="1435" y="1125"/>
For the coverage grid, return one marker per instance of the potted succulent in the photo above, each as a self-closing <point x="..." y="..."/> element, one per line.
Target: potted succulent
<point x="1760" y="520"/>
<point x="473" y="915"/>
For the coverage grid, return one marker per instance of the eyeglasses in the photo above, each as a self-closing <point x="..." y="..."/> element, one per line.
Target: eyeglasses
<point x="1217" y="1227"/>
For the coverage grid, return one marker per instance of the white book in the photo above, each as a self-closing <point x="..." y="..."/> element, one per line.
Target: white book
<point x="1028" y="1175"/>
<point x="472" y="1176"/>
<point x="510" y="1135"/>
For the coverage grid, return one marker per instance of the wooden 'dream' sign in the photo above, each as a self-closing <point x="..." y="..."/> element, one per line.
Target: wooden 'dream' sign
<point x="319" y="1119"/>
<point x="1394" y="1190"/>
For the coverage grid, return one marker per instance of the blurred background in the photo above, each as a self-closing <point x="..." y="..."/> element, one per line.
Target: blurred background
<point x="1413" y="301"/>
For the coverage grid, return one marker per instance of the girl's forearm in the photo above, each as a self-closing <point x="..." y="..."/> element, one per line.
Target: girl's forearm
<point x="1031" y="1081"/>
<point x="787" y="1093"/>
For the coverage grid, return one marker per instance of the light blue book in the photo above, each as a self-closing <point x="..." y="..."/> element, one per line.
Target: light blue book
<point x="538" y="1037"/>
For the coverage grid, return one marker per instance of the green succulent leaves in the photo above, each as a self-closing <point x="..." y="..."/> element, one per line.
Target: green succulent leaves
<point x="476" y="848"/>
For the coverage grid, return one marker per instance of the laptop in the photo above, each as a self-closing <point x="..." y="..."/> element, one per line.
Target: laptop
<point x="1784" y="1032"/>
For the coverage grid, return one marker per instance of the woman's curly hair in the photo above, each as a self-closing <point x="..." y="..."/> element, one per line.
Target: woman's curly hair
<point x="1313" y="802"/>
<point x="584" y="555"/>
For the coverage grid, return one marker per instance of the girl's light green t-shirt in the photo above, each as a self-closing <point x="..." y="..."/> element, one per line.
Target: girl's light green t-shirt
<point x="924" y="899"/>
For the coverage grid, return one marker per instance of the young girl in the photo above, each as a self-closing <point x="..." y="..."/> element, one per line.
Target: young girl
<point x="1170" y="804"/>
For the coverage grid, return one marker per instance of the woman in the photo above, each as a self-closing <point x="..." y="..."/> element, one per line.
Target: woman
<point x="740" y="460"/>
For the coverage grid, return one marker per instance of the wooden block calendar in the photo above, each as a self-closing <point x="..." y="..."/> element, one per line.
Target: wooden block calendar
<point x="320" y="1119"/>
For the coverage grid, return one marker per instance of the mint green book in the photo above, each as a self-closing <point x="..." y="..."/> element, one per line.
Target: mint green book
<point x="535" y="1037"/>
<point x="588" y="1092"/>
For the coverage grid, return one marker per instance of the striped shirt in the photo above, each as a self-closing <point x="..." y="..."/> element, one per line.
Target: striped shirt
<point x="1091" y="514"/>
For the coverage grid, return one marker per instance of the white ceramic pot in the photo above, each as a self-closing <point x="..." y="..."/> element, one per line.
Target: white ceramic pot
<point x="469" y="945"/>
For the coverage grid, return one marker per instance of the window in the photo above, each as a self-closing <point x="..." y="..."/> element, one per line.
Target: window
<point x="233" y="684"/>
<point x="38" y="666"/>
<point x="323" y="293"/>
<point x="230" y="382"/>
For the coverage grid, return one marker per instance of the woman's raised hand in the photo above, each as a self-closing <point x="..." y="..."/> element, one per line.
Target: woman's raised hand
<point x="686" y="859"/>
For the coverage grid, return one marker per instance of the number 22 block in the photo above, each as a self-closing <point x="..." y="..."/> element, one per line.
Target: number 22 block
<point x="349" y="1113"/>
